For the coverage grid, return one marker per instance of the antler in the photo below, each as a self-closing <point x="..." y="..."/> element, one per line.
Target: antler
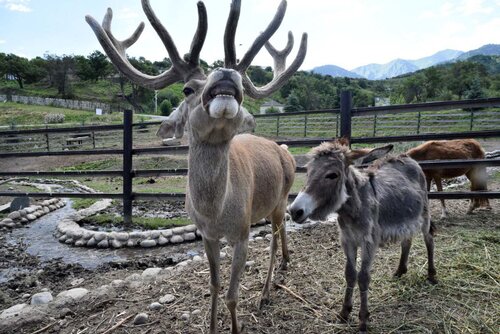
<point x="281" y="75"/>
<point x="180" y="70"/>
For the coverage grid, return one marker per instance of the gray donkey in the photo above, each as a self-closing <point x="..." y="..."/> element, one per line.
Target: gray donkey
<point x="385" y="203"/>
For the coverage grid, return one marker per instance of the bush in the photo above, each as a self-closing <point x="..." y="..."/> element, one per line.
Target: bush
<point x="165" y="107"/>
<point x="54" y="118"/>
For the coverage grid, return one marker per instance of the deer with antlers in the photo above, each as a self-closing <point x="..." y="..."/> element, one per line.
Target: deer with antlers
<point x="233" y="180"/>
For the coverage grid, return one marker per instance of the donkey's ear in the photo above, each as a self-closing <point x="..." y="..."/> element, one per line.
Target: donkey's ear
<point x="364" y="156"/>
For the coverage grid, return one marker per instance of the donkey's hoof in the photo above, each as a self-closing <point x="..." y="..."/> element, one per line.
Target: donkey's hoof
<point x="263" y="301"/>
<point x="432" y="280"/>
<point x="342" y="318"/>
<point x="400" y="272"/>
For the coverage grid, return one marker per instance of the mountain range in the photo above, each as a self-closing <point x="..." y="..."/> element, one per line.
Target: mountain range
<point x="402" y="66"/>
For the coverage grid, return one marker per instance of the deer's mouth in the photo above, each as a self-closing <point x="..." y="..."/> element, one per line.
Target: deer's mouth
<point x="222" y="99"/>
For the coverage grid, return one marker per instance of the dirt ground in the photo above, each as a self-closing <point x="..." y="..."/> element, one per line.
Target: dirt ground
<point x="467" y="299"/>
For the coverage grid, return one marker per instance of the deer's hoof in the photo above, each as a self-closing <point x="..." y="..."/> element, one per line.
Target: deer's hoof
<point x="432" y="280"/>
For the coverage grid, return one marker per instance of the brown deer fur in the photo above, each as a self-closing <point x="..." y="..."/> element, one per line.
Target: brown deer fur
<point x="449" y="150"/>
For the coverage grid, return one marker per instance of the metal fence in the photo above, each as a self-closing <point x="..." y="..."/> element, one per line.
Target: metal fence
<point x="341" y="124"/>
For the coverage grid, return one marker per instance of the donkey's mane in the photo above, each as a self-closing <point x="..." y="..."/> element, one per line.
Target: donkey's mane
<point x="328" y="148"/>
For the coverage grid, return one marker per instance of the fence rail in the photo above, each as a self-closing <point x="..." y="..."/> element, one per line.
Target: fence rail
<point x="338" y="122"/>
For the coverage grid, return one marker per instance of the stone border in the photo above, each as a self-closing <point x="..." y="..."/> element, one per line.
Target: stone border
<point x="28" y="214"/>
<point x="69" y="232"/>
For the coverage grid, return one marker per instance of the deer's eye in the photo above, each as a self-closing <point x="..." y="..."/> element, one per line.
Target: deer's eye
<point x="331" y="176"/>
<point x="187" y="91"/>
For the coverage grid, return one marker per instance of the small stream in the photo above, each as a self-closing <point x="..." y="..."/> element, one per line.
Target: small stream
<point x="38" y="238"/>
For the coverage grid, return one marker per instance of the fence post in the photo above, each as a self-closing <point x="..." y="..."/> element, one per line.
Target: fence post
<point x="127" y="167"/>
<point x="305" y="126"/>
<point x="345" y="114"/>
<point x="47" y="138"/>
<point x="418" y="122"/>
<point x="471" y="119"/>
<point x="278" y="126"/>
<point x="374" y="125"/>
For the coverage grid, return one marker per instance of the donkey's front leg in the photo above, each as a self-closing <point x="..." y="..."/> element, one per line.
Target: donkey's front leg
<point x="350" y="278"/>
<point x="237" y="267"/>
<point x="213" y="255"/>
<point x="367" y="255"/>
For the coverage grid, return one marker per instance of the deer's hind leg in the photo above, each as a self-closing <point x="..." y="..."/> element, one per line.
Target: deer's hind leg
<point x="278" y="229"/>
<point x="478" y="181"/>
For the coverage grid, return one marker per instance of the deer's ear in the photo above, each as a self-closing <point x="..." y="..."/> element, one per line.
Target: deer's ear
<point x="364" y="156"/>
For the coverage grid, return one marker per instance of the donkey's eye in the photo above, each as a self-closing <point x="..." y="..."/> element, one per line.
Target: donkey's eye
<point x="188" y="91"/>
<point x="331" y="176"/>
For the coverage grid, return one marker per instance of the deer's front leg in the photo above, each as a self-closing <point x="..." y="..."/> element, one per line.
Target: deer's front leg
<point x="213" y="255"/>
<point x="237" y="268"/>
<point x="350" y="278"/>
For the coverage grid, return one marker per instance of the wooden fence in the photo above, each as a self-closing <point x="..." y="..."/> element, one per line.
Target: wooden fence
<point x="347" y="114"/>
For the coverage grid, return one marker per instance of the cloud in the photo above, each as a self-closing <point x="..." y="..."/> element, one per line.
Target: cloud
<point x="17" y="5"/>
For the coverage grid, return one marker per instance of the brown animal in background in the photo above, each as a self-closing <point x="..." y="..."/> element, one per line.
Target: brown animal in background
<point x="233" y="180"/>
<point x="449" y="150"/>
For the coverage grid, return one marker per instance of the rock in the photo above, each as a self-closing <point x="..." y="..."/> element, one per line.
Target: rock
<point x="167" y="299"/>
<point x="249" y="263"/>
<point x="116" y="244"/>
<point x="155" y="234"/>
<point x="196" y="312"/>
<point x="190" y="228"/>
<point x="46" y="210"/>
<point x="14" y="215"/>
<point x="162" y="240"/>
<point x="269" y="236"/>
<point x="176" y="239"/>
<point x="41" y="298"/>
<point x="155" y="306"/>
<point x="148" y="243"/>
<point x="185" y="316"/>
<point x="103" y="243"/>
<point x="178" y="230"/>
<point x="141" y="319"/>
<point x="75" y="293"/>
<point x="30" y="217"/>
<point x="189" y="236"/>
<point x="26" y="296"/>
<point x="7" y="221"/>
<point x="92" y="242"/>
<point x="52" y="207"/>
<point x="12" y="311"/>
<point x="77" y="281"/>
<point x="197" y="258"/>
<point x="100" y="236"/>
<point x="166" y="233"/>
<point x="151" y="272"/>
<point x="259" y="238"/>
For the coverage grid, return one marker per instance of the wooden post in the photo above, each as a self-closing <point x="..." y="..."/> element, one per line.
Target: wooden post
<point x="127" y="167"/>
<point x="345" y="114"/>
<point x="305" y="126"/>
<point x="277" y="126"/>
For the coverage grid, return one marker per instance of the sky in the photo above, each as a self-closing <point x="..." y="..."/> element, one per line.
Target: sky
<point x="346" y="33"/>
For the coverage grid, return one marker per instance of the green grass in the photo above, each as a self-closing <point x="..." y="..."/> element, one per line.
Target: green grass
<point x="143" y="222"/>
<point x="82" y="203"/>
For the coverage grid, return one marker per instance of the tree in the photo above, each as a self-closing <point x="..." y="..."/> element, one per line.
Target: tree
<point x="165" y="107"/>
<point x="99" y="65"/>
<point x="16" y="68"/>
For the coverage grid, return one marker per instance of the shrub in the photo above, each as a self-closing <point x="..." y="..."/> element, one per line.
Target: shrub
<point x="165" y="107"/>
<point x="54" y="118"/>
